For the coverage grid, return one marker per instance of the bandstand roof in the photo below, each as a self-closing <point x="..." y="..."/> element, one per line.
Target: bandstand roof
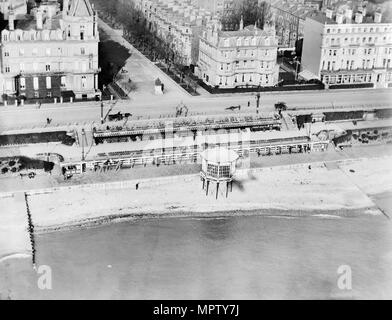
<point x="219" y="155"/>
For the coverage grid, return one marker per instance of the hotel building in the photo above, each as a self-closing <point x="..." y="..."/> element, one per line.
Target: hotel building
<point x="51" y="52"/>
<point x="242" y="58"/>
<point x="348" y="49"/>
<point x="178" y="23"/>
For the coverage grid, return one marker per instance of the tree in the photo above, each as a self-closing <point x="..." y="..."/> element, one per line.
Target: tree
<point x="251" y="11"/>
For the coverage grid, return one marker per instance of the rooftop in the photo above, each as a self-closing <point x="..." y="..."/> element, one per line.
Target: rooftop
<point x="247" y="31"/>
<point x="219" y="155"/>
<point x="322" y="18"/>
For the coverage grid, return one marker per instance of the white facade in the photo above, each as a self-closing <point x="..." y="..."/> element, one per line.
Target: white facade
<point x="343" y="49"/>
<point x="51" y="52"/>
<point x="246" y="57"/>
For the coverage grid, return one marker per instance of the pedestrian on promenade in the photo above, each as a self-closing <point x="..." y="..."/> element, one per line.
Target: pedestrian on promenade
<point x="137" y="186"/>
<point x="248" y="103"/>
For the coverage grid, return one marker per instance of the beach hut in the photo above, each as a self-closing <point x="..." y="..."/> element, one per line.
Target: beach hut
<point x="218" y="166"/>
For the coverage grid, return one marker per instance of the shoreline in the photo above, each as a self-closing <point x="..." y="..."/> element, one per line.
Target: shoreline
<point x="267" y="213"/>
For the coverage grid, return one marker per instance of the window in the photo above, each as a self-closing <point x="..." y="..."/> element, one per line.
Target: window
<point x="35" y="51"/>
<point x="47" y="67"/>
<point x="21" y="52"/>
<point x="7" y="69"/>
<point x="82" y="51"/>
<point x="212" y="170"/>
<point x="63" y="82"/>
<point x="22" y="67"/>
<point x="81" y="32"/>
<point x="224" y="171"/>
<point x="35" y="83"/>
<point x="22" y="84"/>
<point x="36" y="94"/>
<point x="49" y="94"/>
<point x="6" y="54"/>
<point x="48" y="83"/>
<point x="47" y="51"/>
<point x="84" y="81"/>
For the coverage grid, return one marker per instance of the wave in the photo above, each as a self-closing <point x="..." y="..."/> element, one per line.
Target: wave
<point x="327" y="216"/>
<point x="15" y="256"/>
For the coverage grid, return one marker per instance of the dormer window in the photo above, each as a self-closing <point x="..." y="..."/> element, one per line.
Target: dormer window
<point x="82" y="32"/>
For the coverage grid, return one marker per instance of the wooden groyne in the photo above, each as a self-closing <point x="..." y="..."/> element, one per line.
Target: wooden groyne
<point x="30" y="229"/>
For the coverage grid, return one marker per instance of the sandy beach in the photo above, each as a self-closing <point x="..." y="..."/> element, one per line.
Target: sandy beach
<point x="343" y="189"/>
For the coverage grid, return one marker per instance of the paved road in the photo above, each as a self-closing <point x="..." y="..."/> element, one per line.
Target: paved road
<point x="27" y="116"/>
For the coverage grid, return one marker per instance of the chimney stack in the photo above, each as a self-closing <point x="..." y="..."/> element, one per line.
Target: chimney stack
<point x="328" y="13"/>
<point x="39" y="19"/>
<point x="358" y="17"/>
<point x="242" y="23"/>
<point x="362" y="10"/>
<point x="348" y="15"/>
<point x="339" y="18"/>
<point x="377" y="17"/>
<point x="11" y="20"/>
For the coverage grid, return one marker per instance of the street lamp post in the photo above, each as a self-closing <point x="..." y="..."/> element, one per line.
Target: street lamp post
<point x="258" y="101"/>
<point x="83" y="136"/>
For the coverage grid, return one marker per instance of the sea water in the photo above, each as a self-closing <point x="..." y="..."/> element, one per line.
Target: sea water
<point x="254" y="257"/>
